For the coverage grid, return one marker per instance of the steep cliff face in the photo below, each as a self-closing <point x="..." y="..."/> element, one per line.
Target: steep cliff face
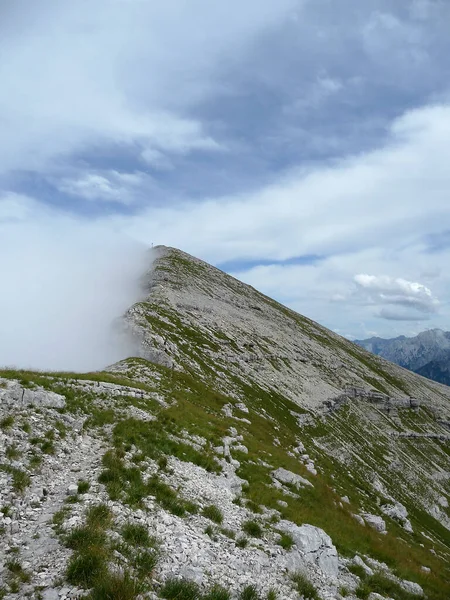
<point x="247" y="452"/>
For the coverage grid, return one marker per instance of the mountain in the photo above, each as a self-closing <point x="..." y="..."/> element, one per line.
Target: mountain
<point x="428" y="353"/>
<point x="244" y="452"/>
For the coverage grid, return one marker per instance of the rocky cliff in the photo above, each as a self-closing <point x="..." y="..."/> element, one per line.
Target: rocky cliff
<point x="246" y="452"/>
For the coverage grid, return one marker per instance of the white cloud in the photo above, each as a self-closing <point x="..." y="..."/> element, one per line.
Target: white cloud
<point x="77" y="76"/>
<point x="411" y="295"/>
<point x="387" y="197"/>
<point x="110" y="186"/>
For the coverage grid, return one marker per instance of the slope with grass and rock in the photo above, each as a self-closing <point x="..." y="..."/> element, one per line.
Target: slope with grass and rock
<point x="245" y="452"/>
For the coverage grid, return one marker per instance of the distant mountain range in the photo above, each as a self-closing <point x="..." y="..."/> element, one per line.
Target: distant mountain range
<point x="427" y="354"/>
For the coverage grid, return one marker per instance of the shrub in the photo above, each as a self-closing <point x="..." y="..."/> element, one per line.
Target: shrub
<point x="251" y="505"/>
<point x="213" y="513"/>
<point x="228" y="532"/>
<point x="145" y="562"/>
<point x="271" y="595"/>
<point x="357" y="570"/>
<point x="304" y="587"/>
<point x="252" y="528"/>
<point x="25" y="426"/>
<point x="48" y="447"/>
<point x="363" y="590"/>
<point x="18" y="571"/>
<point x="242" y="542"/>
<point x="162" y="463"/>
<point x="180" y="589"/>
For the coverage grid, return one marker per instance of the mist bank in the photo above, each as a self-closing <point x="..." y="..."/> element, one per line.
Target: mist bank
<point x="64" y="284"/>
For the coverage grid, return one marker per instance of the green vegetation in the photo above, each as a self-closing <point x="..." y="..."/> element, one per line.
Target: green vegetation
<point x="252" y="528"/>
<point x="213" y="513"/>
<point x="180" y="589"/>
<point x="383" y="585"/>
<point x="83" y="486"/>
<point x="304" y="587"/>
<point x="12" y="453"/>
<point x="194" y="408"/>
<point x="250" y="592"/>
<point x="286" y="540"/>
<point x="20" y="479"/>
<point x="217" y="592"/>
<point x="242" y="542"/>
<point x="116" y="586"/>
<point x="7" y="422"/>
<point x="135" y="534"/>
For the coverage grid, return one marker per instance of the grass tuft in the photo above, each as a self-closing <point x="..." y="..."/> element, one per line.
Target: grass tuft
<point x="252" y="528"/>
<point x="213" y="513"/>
<point x="136" y="534"/>
<point x="286" y="540"/>
<point x="304" y="587"/>
<point x="7" y="422"/>
<point x="83" y="487"/>
<point x="180" y="589"/>
<point x="250" y="592"/>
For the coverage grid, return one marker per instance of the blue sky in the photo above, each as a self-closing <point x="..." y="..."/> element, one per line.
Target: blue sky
<point x="301" y="145"/>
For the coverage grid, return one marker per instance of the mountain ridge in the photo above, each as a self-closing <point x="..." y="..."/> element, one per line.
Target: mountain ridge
<point x="427" y="353"/>
<point x="245" y="447"/>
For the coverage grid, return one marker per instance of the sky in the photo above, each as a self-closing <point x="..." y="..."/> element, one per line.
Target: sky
<point x="302" y="146"/>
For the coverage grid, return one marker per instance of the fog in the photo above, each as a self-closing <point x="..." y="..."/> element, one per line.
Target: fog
<point x="63" y="284"/>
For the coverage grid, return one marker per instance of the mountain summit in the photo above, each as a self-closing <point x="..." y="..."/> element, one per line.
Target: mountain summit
<point x="427" y="353"/>
<point x="245" y="452"/>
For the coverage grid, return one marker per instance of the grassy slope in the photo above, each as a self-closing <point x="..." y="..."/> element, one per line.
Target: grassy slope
<point x="196" y="408"/>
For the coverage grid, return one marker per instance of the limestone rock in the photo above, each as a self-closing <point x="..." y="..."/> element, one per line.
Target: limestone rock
<point x="375" y="521"/>
<point x="285" y="476"/>
<point x="315" y="546"/>
<point x="16" y="395"/>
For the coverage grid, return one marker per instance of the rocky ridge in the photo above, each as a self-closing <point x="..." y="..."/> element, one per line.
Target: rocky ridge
<point x="232" y="459"/>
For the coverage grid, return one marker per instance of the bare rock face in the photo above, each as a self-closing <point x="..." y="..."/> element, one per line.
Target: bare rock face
<point x="375" y="521"/>
<point x="314" y="546"/>
<point x="399" y="513"/>
<point x="14" y="394"/>
<point x="285" y="476"/>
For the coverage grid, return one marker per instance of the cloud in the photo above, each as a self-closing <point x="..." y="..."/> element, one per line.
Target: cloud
<point x="388" y="290"/>
<point x="391" y="314"/>
<point x="64" y="282"/>
<point x="367" y="200"/>
<point x="246" y="133"/>
<point x="123" y="74"/>
<point x="110" y="186"/>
